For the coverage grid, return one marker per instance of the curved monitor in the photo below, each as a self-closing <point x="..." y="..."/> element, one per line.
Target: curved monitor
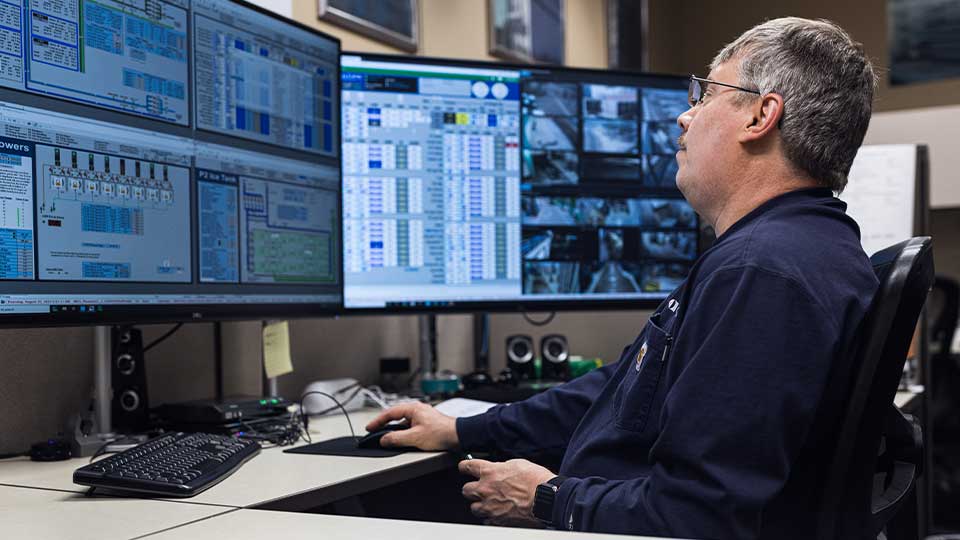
<point x="472" y="186"/>
<point x="166" y="161"/>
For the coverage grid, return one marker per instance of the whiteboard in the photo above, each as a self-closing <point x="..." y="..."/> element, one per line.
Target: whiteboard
<point x="880" y="194"/>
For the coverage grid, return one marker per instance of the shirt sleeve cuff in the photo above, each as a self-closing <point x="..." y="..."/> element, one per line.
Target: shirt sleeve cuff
<point x="473" y="432"/>
<point x="563" y="516"/>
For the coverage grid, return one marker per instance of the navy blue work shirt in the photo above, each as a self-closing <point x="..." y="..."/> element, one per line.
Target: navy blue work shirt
<point x="718" y="421"/>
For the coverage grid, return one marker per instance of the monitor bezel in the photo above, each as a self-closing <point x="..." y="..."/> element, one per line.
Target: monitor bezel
<point x="514" y="305"/>
<point x="174" y="313"/>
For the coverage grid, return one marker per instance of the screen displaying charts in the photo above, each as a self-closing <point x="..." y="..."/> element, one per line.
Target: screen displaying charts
<point x="174" y="158"/>
<point x="469" y="184"/>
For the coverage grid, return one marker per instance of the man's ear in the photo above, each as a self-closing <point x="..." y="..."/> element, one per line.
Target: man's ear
<point x="765" y="117"/>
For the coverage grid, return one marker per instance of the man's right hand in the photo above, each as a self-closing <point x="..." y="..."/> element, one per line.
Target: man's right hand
<point x="429" y="428"/>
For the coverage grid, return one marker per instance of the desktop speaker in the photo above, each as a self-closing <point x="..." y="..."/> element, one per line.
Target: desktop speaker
<point x="130" y="407"/>
<point x="555" y="354"/>
<point x="520" y="357"/>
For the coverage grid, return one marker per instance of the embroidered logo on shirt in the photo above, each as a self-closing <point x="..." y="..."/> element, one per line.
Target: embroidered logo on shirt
<point x="673" y="305"/>
<point x="640" y="355"/>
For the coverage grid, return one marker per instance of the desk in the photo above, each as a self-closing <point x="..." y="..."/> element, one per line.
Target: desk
<point x="39" y="500"/>
<point x="260" y="524"/>
<point x="272" y="480"/>
<point x="42" y="513"/>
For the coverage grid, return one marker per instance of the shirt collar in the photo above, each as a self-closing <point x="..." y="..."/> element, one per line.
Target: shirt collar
<point x="790" y="197"/>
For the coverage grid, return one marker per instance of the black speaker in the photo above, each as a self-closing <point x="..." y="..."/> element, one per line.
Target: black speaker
<point x="130" y="406"/>
<point x="520" y="357"/>
<point x="555" y="355"/>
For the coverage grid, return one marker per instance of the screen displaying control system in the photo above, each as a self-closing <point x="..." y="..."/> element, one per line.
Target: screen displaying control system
<point x="130" y="184"/>
<point x="478" y="184"/>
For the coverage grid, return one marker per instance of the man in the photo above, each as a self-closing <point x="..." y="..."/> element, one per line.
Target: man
<point x="717" y="421"/>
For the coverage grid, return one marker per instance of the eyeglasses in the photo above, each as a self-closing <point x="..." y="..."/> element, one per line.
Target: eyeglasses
<point x="698" y="89"/>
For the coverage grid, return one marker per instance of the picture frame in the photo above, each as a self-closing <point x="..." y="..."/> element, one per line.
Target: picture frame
<point x="530" y="31"/>
<point x="394" y="22"/>
<point x="919" y="48"/>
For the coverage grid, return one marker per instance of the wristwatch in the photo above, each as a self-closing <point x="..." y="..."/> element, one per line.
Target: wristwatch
<point x="544" y="498"/>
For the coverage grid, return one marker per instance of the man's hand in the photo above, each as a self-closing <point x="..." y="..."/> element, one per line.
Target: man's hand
<point x="429" y="428"/>
<point x="504" y="492"/>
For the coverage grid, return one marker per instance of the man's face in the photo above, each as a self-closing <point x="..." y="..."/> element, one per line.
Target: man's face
<point x="708" y="143"/>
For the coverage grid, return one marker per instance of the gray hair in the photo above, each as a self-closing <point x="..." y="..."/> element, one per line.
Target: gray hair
<point x="827" y="84"/>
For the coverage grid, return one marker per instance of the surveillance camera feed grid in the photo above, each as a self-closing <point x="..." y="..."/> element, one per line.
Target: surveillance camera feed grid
<point x="590" y="242"/>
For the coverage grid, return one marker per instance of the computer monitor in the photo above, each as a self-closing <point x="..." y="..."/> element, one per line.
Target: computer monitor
<point x="480" y="186"/>
<point x="166" y="161"/>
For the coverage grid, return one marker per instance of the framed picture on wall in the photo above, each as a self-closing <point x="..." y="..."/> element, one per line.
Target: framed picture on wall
<point x="527" y="30"/>
<point x="395" y="22"/>
<point x="923" y="40"/>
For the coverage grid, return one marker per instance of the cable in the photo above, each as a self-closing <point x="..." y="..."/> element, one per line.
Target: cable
<point x="157" y="341"/>
<point x="303" y="414"/>
<point x="543" y="322"/>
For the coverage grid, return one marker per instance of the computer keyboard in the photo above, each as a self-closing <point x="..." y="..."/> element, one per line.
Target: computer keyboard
<point x="172" y="465"/>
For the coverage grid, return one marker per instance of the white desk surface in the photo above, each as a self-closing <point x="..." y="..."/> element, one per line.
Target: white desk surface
<point x="260" y="524"/>
<point x="268" y="476"/>
<point x="40" y="513"/>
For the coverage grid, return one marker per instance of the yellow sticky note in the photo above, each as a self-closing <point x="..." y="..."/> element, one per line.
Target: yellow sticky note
<point x="276" y="349"/>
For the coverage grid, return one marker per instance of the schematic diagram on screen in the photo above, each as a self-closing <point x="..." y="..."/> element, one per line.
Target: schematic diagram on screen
<point x="288" y="232"/>
<point x="108" y="218"/>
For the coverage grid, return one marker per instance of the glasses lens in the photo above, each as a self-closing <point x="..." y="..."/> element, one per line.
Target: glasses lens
<point x="694" y="93"/>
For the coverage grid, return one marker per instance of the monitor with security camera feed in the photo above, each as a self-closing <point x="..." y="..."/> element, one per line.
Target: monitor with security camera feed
<point x="474" y="185"/>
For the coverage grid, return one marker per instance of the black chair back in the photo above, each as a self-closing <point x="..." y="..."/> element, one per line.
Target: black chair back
<point x="858" y="499"/>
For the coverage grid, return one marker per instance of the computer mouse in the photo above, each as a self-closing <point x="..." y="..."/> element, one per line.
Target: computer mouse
<point x="372" y="439"/>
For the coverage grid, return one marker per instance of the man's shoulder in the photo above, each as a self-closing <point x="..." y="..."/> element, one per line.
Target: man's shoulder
<point x="792" y="241"/>
<point x="817" y="250"/>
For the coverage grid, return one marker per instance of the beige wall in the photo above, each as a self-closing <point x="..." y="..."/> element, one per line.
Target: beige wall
<point x="458" y="29"/>
<point x="47" y="374"/>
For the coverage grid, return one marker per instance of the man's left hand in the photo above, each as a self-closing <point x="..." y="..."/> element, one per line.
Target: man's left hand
<point x="504" y="492"/>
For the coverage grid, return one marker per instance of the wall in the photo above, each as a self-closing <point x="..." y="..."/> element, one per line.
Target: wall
<point x="47" y="374"/>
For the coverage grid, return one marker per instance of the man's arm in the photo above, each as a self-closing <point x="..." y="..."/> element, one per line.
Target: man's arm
<point x="541" y="424"/>
<point x="754" y="354"/>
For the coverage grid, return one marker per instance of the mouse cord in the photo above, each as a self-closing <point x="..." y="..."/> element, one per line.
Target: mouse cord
<point x="303" y="414"/>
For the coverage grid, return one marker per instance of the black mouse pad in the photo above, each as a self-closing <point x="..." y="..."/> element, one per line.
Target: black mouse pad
<point x="345" y="446"/>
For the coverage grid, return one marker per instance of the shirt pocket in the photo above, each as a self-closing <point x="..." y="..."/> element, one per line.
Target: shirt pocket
<point x="634" y="397"/>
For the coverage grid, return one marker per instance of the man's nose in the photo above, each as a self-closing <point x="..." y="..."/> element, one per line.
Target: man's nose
<point x="685" y="118"/>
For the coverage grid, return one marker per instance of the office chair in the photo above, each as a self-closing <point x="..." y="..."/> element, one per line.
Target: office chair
<point x="878" y="453"/>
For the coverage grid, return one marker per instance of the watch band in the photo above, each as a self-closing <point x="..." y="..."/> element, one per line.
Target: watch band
<point x="544" y="498"/>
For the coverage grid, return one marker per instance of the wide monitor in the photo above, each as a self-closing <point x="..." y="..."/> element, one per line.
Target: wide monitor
<point x="166" y="160"/>
<point x="486" y="186"/>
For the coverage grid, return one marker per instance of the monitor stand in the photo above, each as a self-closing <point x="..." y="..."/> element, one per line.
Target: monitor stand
<point x="480" y="376"/>
<point x="88" y="434"/>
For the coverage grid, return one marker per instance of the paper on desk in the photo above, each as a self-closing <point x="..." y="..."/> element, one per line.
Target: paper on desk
<point x="276" y="349"/>
<point x="460" y="407"/>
